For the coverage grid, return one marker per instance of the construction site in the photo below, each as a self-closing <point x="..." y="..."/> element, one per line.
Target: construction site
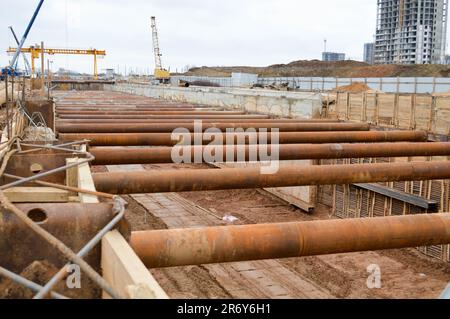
<point x="146" y="189"/>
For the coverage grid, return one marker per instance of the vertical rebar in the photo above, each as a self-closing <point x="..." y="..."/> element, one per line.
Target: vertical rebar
<point x="43" y="68"/>
<point x="48" y="79"/>
<point x="8" y="122"/>
<point x="12" y="86"/>
<point x="23" y="92"/>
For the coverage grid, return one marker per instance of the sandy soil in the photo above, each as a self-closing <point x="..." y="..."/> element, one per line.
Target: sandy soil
<point x="328" y="69"/>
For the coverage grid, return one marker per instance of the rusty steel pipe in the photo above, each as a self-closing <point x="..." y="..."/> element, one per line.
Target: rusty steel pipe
<point x="185" y="180"/>
<point x="141" y="113"/>
<point x="95" y="107"/>
<point x="168" y="127"/>
<point x="161" y="117"/>
<point x="134" y="109"/>
<point x="199" y="246"/>
<point x="165" y="139"/>
<point x="135" y="105"/>
<point x="162" y="155"/>
<point x="191" y="121"/>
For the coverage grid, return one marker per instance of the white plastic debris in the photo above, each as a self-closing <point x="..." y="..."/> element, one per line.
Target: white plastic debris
<point x="230" y="219"/>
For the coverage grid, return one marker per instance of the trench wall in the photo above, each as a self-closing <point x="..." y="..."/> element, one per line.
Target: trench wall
<point x="282" y="104"/>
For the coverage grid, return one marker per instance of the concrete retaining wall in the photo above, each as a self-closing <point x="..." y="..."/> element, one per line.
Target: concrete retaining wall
<point x="282" y="104"/>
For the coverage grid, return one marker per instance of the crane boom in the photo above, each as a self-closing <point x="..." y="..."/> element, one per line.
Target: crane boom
<point x="25" y="60"/>
<point x="162" y="75"/>
<point x="25" y="35"/>
<point x="156" y="49"/>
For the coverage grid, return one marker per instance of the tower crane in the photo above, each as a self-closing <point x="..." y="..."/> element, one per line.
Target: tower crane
<point x="36" y="51"/>
<point x="161" y="74"/>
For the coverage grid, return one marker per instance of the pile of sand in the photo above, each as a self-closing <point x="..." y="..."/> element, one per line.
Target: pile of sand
<point x="356" y="87"/>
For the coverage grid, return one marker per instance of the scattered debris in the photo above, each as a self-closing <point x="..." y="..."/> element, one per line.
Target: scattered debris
<point x="273" y="86"/>
<point x="230" y="219"/>
<point x="41" y="134"/>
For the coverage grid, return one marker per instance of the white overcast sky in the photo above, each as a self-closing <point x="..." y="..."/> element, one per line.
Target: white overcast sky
<point x="192" y="32"/>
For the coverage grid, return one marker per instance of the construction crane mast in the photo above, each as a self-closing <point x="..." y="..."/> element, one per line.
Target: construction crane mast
<point x="162" y="75"/>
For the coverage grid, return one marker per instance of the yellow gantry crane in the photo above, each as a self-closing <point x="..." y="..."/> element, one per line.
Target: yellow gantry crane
<point x="36" y="52"/>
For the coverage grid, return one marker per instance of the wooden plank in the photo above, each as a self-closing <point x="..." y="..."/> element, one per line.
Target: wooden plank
<point x="81" y="177"/>
<point x="72" y="175"/>
<point x="5" y="138"/>
<point x="37" y="195"/>
<point x="294" y="201"/>
<point x="85" y="181"/>
<point x="123" y="269"/>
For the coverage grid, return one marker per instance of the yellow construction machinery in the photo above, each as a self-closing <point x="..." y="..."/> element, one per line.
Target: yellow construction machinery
<point x="161" y="75"/>
<point x="36" y="52"/>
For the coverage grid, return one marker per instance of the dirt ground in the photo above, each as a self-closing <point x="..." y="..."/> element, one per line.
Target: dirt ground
<point x="315" y="68"/>
<point x="405" y="273"/>
<point x="40" y="272"/>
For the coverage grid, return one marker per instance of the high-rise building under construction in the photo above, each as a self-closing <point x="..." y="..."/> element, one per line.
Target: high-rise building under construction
<point x="411" y="32"/>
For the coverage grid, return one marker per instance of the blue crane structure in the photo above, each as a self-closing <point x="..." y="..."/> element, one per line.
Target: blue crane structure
<point x="10" y="69"/>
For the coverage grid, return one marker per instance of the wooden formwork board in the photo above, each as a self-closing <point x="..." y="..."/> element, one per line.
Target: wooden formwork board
<point x="37" y="195"/>
<point x="123" y="269"/>
<point x="403" y="111"/>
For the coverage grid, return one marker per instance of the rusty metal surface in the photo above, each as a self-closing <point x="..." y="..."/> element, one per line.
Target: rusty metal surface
<point x="161" y="117"/>
<point x="46" y="108"/>
<point x="191" y="121"/>
<point x="167" y="127"/>
<point x="181" y="247"/>
<point x="74" y="224"/>
<point x="125" y="108"/>
<point x="185" y="180"/>
<point x="165" y="139"/>
<point x="161" y="155"/>
<point x="21" y="165"/>
<point x="174" y="113"/>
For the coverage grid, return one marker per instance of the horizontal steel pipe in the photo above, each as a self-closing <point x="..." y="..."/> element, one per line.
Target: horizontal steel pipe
<point x="141" y="113"/>
<point x="165" y="139"/>
<point x="134" y="105"/>
<point x="185" y="180"/>
<point x="153" y="121"/>
<point x="134" y="109"/>
<point x="199" y="246"/>
<point x="167" y="127"/>
<point x="161" y="155"/>
<point x="160" y="117"/>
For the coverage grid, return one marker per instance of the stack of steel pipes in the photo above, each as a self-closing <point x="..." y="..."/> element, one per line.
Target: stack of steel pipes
<point x="140" y="132"/>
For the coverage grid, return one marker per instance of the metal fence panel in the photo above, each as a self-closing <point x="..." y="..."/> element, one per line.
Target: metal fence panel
<point x="387" y="84"/>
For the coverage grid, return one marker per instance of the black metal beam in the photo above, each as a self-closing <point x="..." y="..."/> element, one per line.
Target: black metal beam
<point x="401" y="196"/>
